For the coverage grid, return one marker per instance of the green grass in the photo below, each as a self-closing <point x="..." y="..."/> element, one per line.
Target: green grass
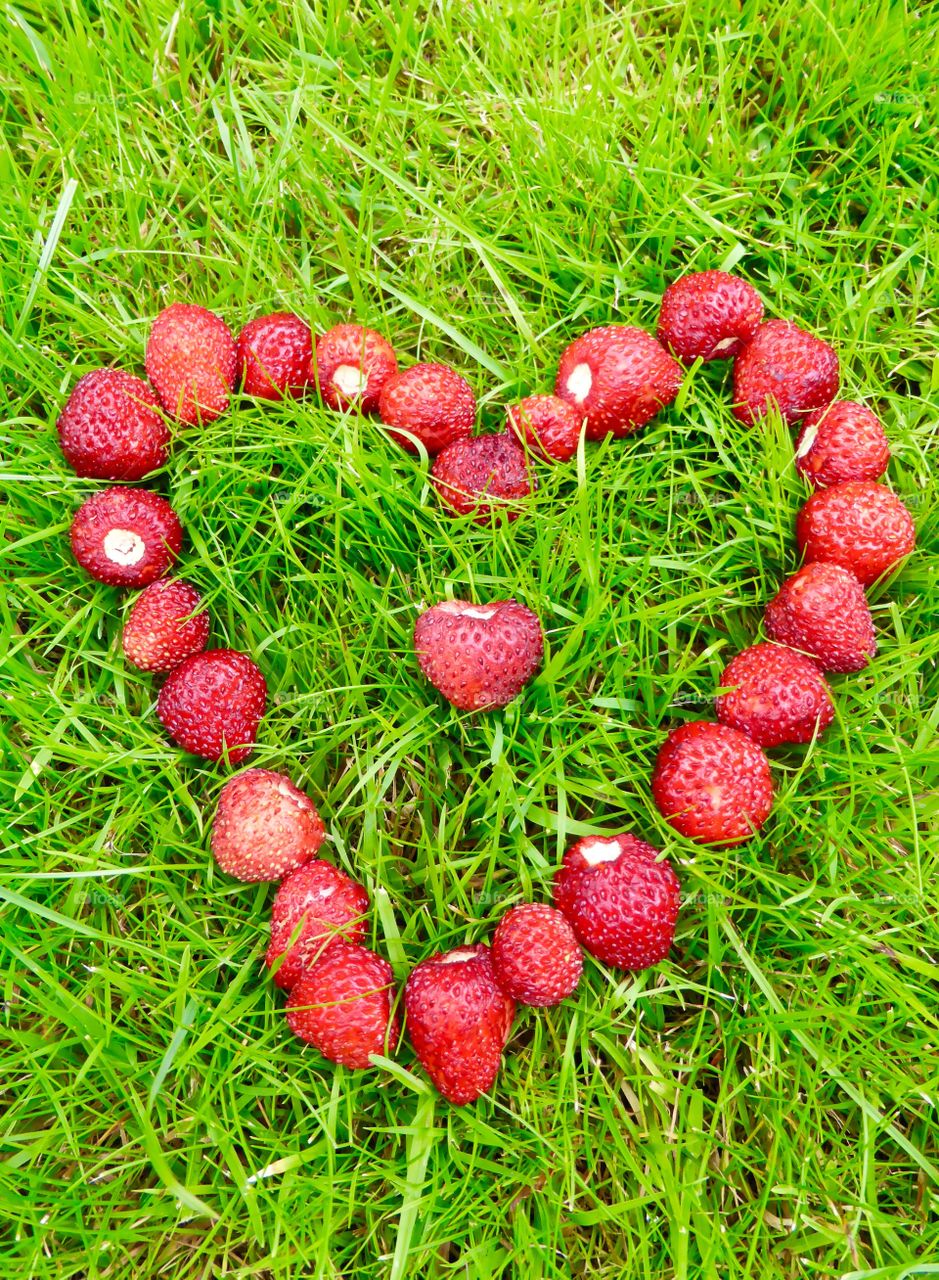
<point x="480" y="183"/>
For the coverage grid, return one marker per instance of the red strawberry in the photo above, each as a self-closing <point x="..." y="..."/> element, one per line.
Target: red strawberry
<point x="479" y="656"/>
<point x="459" y="1020"/>
<point x="191" y="361"/>
<point x="431" y="402"/>
<point x="314" y="908"/>
<point x="547" y="424"/>
<point x="776" y="696"/>
<point x="621" y="901"/>
<point x="111" y="428"/>
<point x="822" y="612"/>
<point x="264" y="827"/>
<point x="708" y="315"/>
<point x="342" y="1005"/>
<point x="483" y="475"/>
<point x="535" y="956"/>
<point x="618" y="378"/>
<point x="351" y="365"/>
<point x="782" y="365"/>
<point x="275" y="356"/>
<point x="126" y="537"/>
<point x="212" y="702"/>
<point x="844" y="441"/>
<point x="860" y="525"/>
<point x="712" y="783"/>
<point x="163" y="627"/>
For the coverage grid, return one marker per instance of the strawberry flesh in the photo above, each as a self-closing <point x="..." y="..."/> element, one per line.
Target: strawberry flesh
<point x="214" y="702"/>
<point x="315" y="907"/>
<point x="192" y="361"/>
<point x="712" y="783"/>
<point x="620" y="899"/>
<point x="822" y="612"/>
<point x="774" y="695"/>
<point x="859" y="525"/>
<point x="708" y="315"/>
<point x="458" y="1019"/>
<point x="275" y="356"/>
<point x="264" y="827"/>
<point x="431" y="402"/>
<point x="342" y="1005"/>
<point x="785" y="367"/>
<point x="479" y="656"/>
<point x="126" y="537"/>
<point x="618" y="378"/>
<point x="535" y="956"/>
<point x="165" y="626"/>
<point x="111" y="427"/>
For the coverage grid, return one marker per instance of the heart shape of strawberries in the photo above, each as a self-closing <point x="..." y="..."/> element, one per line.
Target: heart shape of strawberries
<point x="479" y="656"/>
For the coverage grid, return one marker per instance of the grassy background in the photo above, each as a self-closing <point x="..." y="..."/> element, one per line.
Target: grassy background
<point x="479" y="182"/>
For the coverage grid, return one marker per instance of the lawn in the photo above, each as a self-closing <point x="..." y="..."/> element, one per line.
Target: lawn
<point x="481" y="183"/>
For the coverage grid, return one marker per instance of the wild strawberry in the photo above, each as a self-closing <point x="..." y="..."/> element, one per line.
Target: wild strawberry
<point x="775" y="695"/>
<point x="535" y="955"/>
<point x="126" y="537"/>
<point x="822" y="612"/>
<point x="165" y="626"/>
<point x="111" y="427"/>
<point x="621" y="900"/>
<point x="843" y="441"/>
<point x="548" y="425"/>
<point x="860" y="525"/>
<point x="191" y="361"/>
<point x="315" y="907"/>
<point x="712" y="783"/>
<point x="782" y="365"/>
<point x="708" y="315"/>
<point x="458" y="1019"/>
<point x="213" y="703"/>
<point x="351" y="366"/>
<point x="617" y="377"/>
<point x="431" y="402"/>
<point x="342" y="1005"/>
<point x="264" y="827"/>
<point x="479" y="656"/>
<point x="275" y="356"/>
<point x="482" y="476"/>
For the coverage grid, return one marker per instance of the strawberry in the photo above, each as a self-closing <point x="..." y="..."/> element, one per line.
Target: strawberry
<point x="164" y="626"/>
<point x="351" y="365"/>
<point x="342" y="1005"/>
<point x="191" y="360"/>
<point x="275" y="356"/>
<point x="712" y="784"/>
<point x="126" y="537"/>
<point x="459" y="1020"/>
<point x="621" y="901"/>
<point x="431" y="402"/>
<point x="548" y="425"/>
<point x="708" y="315"/>
<point x="782" y="365"/>
<point x="822" y="612"/>
<point x="483" y="475"/>
<point x="213" y="703"/>
<point x="843" y="441"/>
<point x="860" y="525"/>
<point x="314" y="908"/>
<point x="617" y="377"/>
<point x="264" y="827"/>
<point x="479" y="656"/>
<point x="535" y="955"/>
<point x="775" y="695"/>
<point x="111" y="427"/>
